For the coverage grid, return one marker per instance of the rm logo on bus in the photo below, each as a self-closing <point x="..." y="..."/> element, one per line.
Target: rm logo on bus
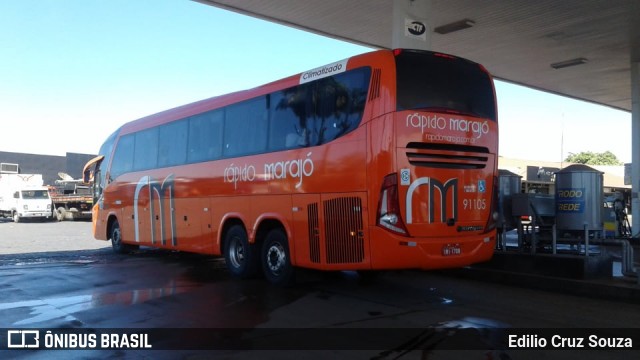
<point x="443" y="191"/>
<point x="158" y="191"/>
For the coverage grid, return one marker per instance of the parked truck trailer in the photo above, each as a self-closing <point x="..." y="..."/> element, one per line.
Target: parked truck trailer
<point x="71" y="198"/>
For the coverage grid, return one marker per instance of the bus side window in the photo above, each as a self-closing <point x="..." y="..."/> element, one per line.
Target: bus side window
<point x="320" y="111"/>
<point x="123" y="158"/>
<point x="146" y="150"/>
<point x="340" y="104"/>
<point x="245" y="129"/>
<point x="284" y="129"/>
<point x="205" y="136"/>
<point x="172" y="143"/>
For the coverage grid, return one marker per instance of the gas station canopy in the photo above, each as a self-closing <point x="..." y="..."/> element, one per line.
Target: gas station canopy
<point x="578" y="48"/>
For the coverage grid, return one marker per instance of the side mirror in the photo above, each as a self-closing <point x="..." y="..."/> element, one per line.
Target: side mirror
<point x="91" y="168"/>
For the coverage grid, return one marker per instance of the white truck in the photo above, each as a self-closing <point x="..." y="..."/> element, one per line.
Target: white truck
<point x="24" y="196"/>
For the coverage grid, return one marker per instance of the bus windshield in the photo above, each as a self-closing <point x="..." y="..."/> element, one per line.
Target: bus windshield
<point x="427" y="80"/>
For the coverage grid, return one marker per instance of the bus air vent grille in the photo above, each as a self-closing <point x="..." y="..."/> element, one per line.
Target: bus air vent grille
<point x="344" y="230"/>
<point x="314" y="235"/>
<point x="448" y="156"/>
<point x="375" y="84"/>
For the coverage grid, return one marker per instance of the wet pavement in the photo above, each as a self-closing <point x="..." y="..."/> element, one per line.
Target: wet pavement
<point x="182" y="295"/>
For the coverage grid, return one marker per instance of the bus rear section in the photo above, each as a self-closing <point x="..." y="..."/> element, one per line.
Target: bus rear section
<point x="437" y="196"/>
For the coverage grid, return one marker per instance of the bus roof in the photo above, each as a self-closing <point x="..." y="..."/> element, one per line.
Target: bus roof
<point x="215" y="102"/>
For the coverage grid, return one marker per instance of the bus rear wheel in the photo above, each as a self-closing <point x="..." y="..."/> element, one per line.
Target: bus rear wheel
<point x="276" y="261"/>
<point x="240" y="256"/>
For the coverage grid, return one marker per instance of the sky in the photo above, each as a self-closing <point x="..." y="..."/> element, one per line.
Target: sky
<point x="73" y="71"/>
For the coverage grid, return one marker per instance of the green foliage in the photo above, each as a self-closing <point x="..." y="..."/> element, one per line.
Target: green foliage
<point x="591" y="158"/>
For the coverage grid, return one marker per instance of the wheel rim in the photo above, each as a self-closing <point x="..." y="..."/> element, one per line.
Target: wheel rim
<point x="276" y="258"/>
<point x="236" y="253"/>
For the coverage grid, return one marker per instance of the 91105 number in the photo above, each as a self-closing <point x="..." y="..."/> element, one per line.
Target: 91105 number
<point x="474" y="204"/>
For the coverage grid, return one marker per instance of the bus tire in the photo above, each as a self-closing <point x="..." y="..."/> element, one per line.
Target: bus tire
<point x="276" y="260"/>
<point x="116" y="240"/>
<point x="240" y="257"/>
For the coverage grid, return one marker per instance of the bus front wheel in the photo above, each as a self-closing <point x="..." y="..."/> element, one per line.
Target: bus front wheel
<point x="116" y="240"/>
<point x="276" y="261"/>
<point x="239" y="255"/>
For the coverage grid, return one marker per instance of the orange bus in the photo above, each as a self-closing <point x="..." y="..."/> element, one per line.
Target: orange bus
<point x="385" y="160"/>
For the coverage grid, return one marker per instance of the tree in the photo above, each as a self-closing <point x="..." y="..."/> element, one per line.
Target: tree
<point x="591" y="158"/>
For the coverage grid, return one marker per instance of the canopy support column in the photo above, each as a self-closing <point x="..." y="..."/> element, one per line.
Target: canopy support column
<point x="635" y="147"/>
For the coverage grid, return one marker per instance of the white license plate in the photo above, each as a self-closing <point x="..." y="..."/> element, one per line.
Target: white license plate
<point x="451" y="250"/>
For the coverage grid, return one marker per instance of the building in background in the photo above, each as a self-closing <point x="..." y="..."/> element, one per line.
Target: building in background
<point x="48" y="165"/>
